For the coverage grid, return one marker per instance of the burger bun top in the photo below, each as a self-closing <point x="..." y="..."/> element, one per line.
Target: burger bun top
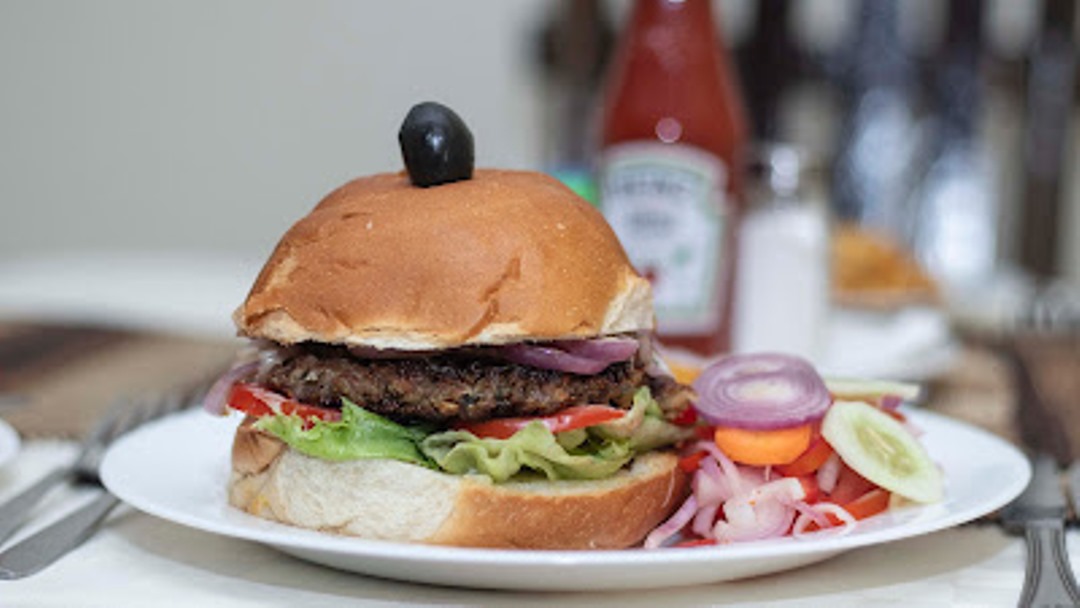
<point x="506" y="256"/>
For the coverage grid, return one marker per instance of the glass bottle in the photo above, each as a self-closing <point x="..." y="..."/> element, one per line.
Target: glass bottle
<point x="671" y="166"/>
<point x="783" y="284"/>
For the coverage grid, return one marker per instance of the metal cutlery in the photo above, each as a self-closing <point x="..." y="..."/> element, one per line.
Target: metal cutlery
<point x="15" y="511"/>
<point x="1041" y="510"/>
<point x="52" y="542"/>
<point x="1040" y="514"/>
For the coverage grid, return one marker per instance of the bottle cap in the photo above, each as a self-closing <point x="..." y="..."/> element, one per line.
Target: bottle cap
<point x="777" y="168"/>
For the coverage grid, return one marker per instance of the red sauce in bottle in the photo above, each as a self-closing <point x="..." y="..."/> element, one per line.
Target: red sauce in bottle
<point x="671" y="163"/>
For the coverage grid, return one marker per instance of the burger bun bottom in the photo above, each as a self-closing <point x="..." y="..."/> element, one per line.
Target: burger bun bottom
<point x="396" y="501"/>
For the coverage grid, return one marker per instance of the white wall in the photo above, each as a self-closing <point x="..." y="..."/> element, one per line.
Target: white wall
<point x="134" y="124"/>
<point x="214" y="125"/>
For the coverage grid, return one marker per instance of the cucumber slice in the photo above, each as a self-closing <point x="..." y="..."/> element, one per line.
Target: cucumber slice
<point x="849" y="389"/>
<point x="882" y="450"/>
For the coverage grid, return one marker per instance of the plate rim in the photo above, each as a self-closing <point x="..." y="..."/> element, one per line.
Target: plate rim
<point x="10" y="443"/>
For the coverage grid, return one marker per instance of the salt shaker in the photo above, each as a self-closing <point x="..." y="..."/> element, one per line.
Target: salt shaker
<point x="782" y="294"/>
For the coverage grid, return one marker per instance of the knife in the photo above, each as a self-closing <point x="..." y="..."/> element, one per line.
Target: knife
<point x="47" y="545"/>
<point x="1040" y="513"/>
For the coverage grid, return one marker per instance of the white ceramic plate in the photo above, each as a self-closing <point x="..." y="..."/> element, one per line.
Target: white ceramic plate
<point x="177" y="469"/>
<point x="9" y="443"/>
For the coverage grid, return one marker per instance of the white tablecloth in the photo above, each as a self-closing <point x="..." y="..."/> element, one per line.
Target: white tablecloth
<point x="138" y="560"/>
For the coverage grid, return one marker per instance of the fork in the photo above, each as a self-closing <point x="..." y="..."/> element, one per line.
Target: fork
<point x="49" y="544"/>
<point x="16" y="509"/>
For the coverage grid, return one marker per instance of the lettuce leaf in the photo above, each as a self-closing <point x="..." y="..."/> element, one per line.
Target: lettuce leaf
<point x="534" y="448"/>
<point x="592" y="453"/>
<point x="359" y="434"/>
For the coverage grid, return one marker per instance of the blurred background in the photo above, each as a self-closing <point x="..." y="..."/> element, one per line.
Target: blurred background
<point x="211" y="126"/>
<point x="205" y="129"/>
<point x="152" y="153"/>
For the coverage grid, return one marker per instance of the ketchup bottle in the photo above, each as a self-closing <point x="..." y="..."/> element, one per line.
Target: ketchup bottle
<point x="670" y="168"/>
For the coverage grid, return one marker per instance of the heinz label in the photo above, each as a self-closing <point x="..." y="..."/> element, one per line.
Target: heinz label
<point x="666" y="204"/>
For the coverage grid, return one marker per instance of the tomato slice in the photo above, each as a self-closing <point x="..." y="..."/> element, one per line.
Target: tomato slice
<point x="258" y="402"/>
<point x="895" y="414"/>
<point x="687" y="417"/>
<point x="849" y="486"/>
<point x="810" y="488"/>
<point x="873" y="502"/>
<point x="810" y="460"/>
<point x="573" y="417"/>
<point x="692" y="462"/>
<point x="697" y="542"/>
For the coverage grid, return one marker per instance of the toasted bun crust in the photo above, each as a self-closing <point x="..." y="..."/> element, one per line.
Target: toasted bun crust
<point x="391" y="500"/>
<point x="502" y="257"/>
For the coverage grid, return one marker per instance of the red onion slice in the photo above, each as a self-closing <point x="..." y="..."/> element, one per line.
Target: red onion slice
<point x="737" y="366"/>
<point x="216" y="398"/>
<point x="891" y="402"/>
<point x="585" y="357"/>
<point x="602" y="349"/>
<point x="762" y="392"/>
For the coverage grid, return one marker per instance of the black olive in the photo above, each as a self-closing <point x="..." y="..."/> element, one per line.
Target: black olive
<point x="436" y="145"/>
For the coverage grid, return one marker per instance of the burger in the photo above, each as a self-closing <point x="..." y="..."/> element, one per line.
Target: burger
<point x="454" y="356"/>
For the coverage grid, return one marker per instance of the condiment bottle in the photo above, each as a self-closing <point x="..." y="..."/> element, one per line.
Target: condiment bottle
<point x="782" y="301"/>
<point x="670" y="167"/>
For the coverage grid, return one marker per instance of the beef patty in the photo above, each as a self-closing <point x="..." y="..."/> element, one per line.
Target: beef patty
<point x="465" y="385"/>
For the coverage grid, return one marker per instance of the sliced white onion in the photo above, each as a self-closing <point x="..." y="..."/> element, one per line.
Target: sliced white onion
<point x="710" y="485"/>
<point x="673" y="525"/>
<point x="216" y="398"/>
<point x="705" y="520"/>
<point x="758" y="520"/>
<point x="766" y="511"/>
<point x="829" y="473"/>
<point x="731" y="471"/>
<point x="804" y="508"/>
<point x="847" y="522"/>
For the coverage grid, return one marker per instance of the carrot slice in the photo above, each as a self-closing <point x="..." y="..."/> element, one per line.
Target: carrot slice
<point x="763" y="448"/>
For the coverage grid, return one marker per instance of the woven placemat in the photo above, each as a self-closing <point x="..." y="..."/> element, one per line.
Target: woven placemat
<point x="985" y="388"/>
<point x="58" y="379"/>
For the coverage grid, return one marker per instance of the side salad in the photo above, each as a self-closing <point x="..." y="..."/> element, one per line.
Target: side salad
<point x="780" y="452"/>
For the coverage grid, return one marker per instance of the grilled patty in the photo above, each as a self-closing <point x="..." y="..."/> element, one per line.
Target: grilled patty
<point x="458" y="386"/>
